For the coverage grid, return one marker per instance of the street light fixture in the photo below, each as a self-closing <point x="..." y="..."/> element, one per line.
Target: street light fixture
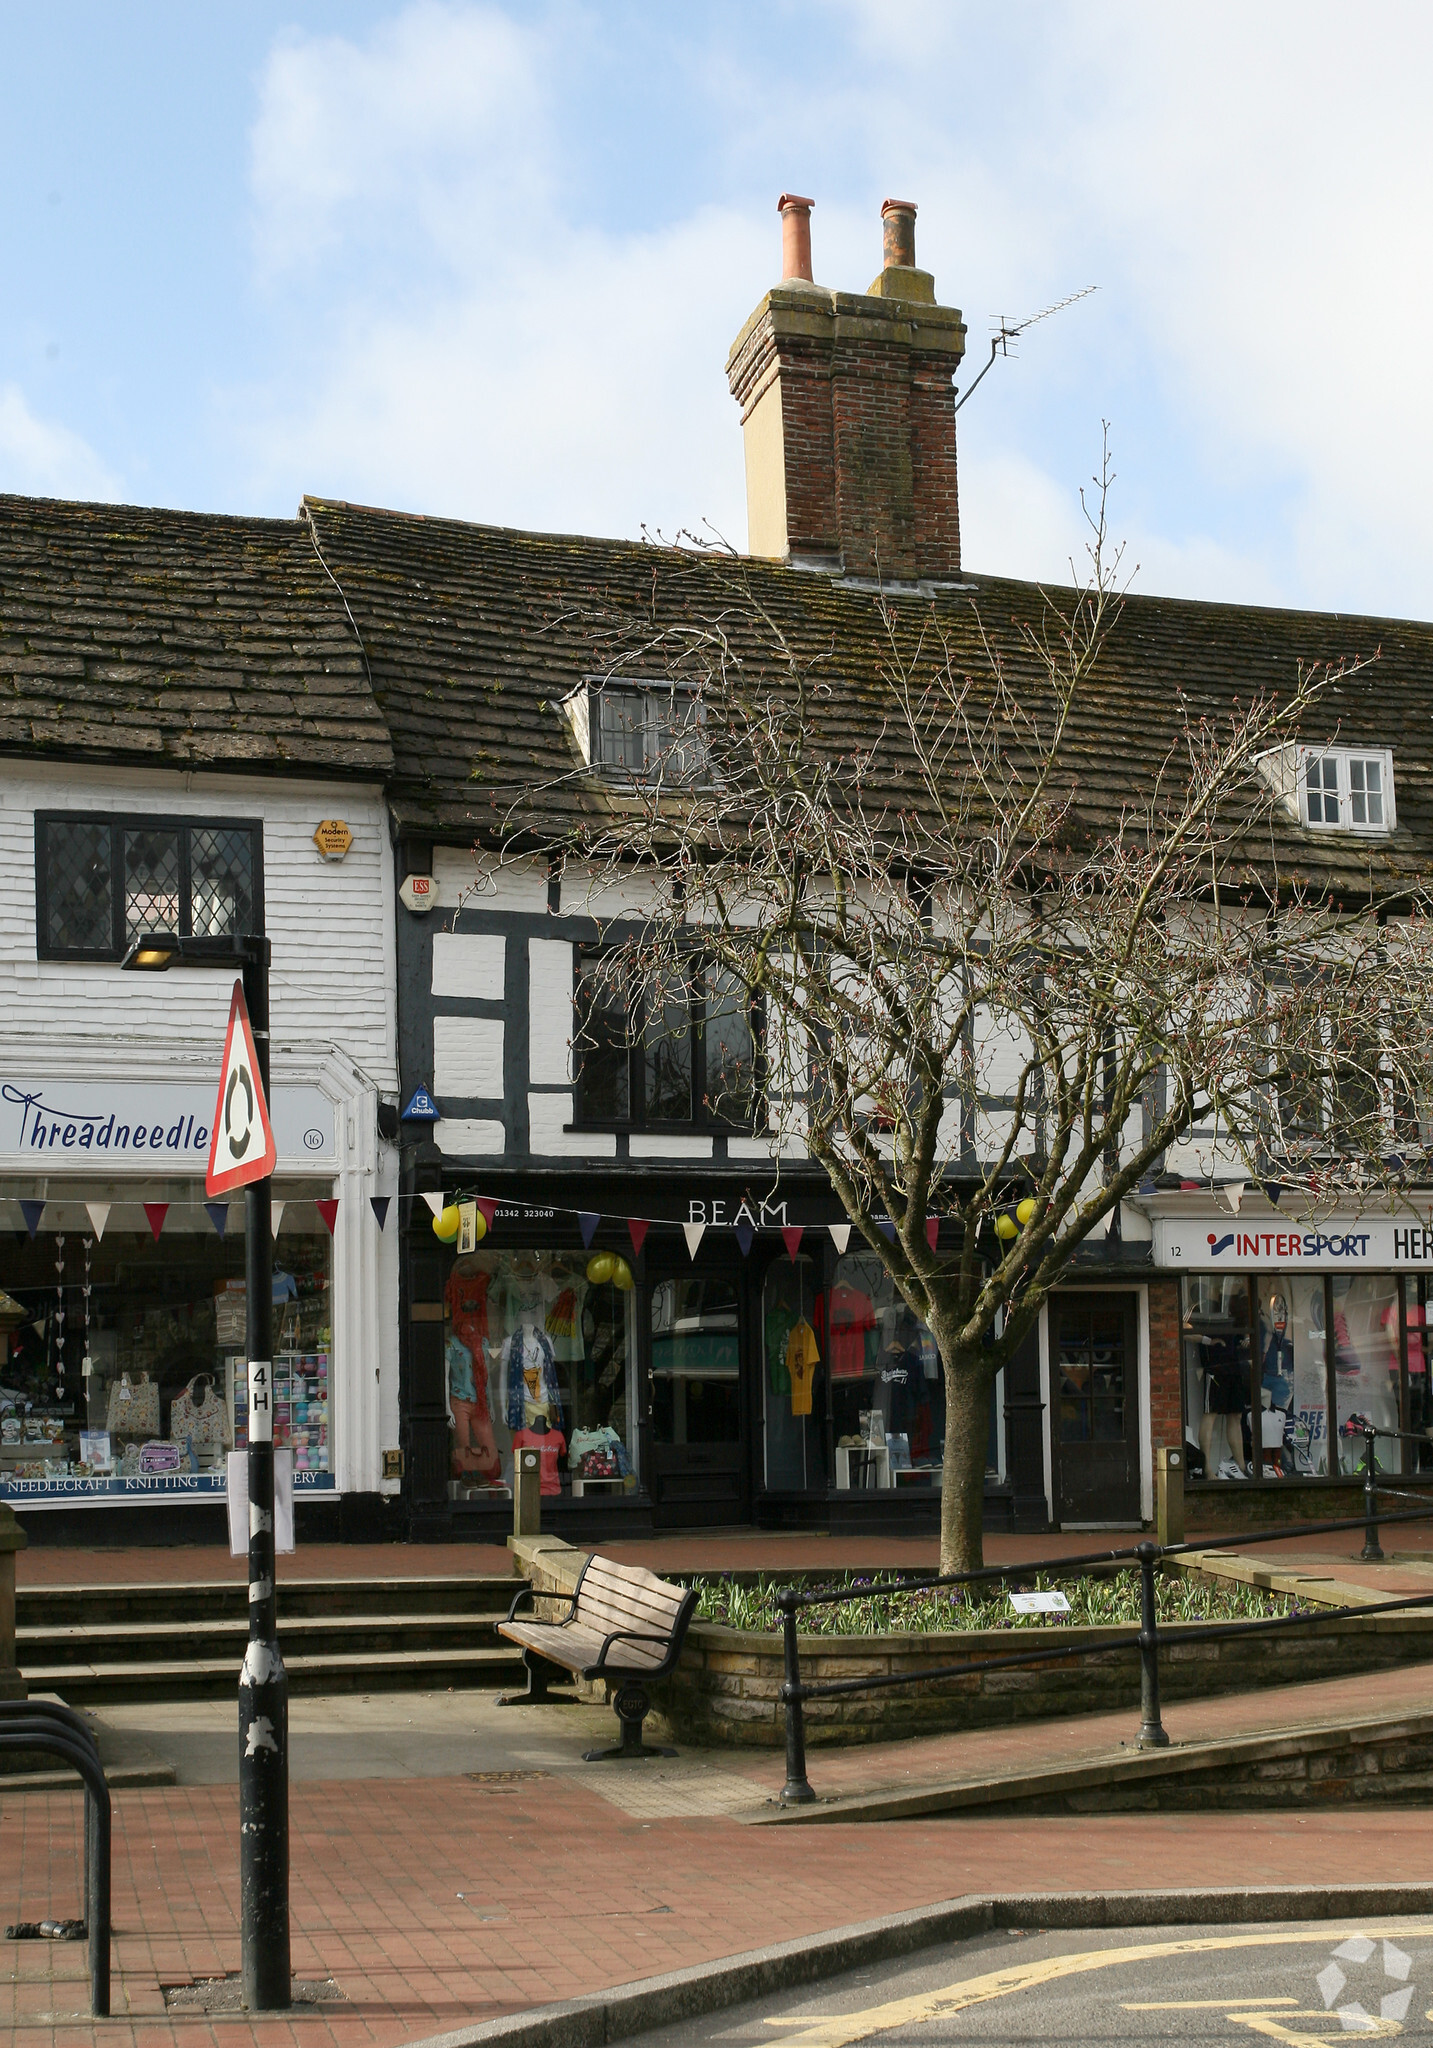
<point x="263" y="1683"/>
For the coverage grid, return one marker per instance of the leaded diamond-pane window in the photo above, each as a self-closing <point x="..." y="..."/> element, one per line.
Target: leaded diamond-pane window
<point x="79" y="901"/>
<point x="102" y="882"/>
<point x="221" y="881"/>
<point x="151" y="882"/>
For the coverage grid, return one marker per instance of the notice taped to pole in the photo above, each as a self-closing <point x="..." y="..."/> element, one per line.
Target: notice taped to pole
<point x="236" y="1473"/>
<point x="242" y="1147"/>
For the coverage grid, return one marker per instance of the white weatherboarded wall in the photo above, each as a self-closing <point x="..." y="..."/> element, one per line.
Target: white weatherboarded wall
<point x="333" y="1018"/>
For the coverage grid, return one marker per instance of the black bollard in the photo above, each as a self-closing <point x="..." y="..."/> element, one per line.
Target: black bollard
<point x="1372" y="1550"/>
<point x="797" y="1790"/>
<point x="1151" y="1729"/>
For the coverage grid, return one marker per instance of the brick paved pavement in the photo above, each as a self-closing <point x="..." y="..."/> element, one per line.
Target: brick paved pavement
<point x="561" y="1893"/>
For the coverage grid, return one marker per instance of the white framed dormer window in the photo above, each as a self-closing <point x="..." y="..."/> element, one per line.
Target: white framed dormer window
<point x="1346" y="789"/>
<point x="635" y="730"/>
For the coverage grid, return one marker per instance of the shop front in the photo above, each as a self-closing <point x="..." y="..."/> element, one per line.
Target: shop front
<point x="1294" y="1334"/>
<point x="122" y="1302"/>
<point x="751" y="1363"/>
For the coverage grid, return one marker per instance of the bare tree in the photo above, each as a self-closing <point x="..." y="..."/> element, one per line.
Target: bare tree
<point x="990" y="996"/>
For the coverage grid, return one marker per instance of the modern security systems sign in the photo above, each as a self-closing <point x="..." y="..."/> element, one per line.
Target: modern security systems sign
<point x="242" y="1147"/>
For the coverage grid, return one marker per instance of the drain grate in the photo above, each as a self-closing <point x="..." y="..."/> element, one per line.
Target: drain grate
<point x="226" y="1994"/>
<point x="500" y="1778"/>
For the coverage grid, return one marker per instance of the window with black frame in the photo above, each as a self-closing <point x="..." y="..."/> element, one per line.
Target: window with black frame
<point x="103" y="882"/>
<point x="678" y="1047"/>
<point x="648" y="732"/>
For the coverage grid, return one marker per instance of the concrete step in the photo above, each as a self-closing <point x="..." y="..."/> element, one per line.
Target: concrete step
<point x="138" y="1678"/>
<point x="80" y="1606"/>
<point x="181" y="1642"/>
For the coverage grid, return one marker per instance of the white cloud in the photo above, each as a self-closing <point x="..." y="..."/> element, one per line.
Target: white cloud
<point x="42" y="460"/>
<point x="464" y="327"/>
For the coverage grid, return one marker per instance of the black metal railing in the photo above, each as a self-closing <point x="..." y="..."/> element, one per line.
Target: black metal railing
<point x="792" y="1601"/>
<point x="57" y="1730"/>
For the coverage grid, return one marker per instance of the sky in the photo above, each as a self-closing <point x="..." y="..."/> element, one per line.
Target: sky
<point x="486" y="261"/>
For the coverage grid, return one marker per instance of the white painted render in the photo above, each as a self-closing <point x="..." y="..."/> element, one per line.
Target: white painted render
<point x="546" y="1116"/>
<point x="460" y="1137"/>
<point x="550" y="1023"/>
<point x="469" y="964"/>
<point x="468" y="1056"/>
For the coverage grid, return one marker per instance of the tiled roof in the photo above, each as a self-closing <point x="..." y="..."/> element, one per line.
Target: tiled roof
<point x="178" y="639"/>
<point x="474" y="633"/>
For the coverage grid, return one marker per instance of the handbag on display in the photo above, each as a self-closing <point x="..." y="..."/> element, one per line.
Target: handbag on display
<point x="133" y="1406"/>
<point x="202" y="1423"/>
<point x="599" y="1465"/>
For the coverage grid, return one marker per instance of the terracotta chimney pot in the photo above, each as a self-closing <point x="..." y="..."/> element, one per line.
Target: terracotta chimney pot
<point x="898" y="233"/>
<point x="795" y="236"/>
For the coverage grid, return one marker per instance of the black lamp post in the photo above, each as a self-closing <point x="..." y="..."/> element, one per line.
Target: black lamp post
<point x="263" y="1684"/>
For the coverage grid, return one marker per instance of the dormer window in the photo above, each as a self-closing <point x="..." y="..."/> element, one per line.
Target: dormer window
<point x="1345" y="791"/>
<point x="639" y="731"/>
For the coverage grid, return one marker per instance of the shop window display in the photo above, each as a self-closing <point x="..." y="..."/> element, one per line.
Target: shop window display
<point x="124" y="1363"/>
<point x="1217" y="1369"/>
<point x="539" y="1349"/>
<point x="1365" y="1336"/>
<point x="887" y="1387"/>
<point x="793" y="1377"/>
<point x="1293" y="1377"/>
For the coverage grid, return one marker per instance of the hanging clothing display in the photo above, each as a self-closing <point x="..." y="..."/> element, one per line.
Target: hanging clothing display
<point x="803" y="1355"/>
<point x="852" y="1325"/>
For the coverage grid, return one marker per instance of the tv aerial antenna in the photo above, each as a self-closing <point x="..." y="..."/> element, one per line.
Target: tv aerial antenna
<point x="1007" y="332"/>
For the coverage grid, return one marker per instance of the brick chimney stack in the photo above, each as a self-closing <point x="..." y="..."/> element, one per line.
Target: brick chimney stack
<point x="848" y="413"/>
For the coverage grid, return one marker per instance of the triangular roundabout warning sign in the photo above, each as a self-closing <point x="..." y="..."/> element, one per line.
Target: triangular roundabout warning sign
<point x="242" y="1147"/>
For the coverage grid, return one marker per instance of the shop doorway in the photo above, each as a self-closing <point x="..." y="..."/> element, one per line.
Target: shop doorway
<point x="698" y="1463"/>
<point x="1094" y="1407"/>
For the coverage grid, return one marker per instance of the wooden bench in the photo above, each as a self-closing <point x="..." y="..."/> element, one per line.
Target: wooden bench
<point x="623" y="1623"/>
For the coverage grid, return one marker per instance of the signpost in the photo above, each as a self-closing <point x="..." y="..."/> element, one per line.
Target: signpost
<point x="242" y="1153"/>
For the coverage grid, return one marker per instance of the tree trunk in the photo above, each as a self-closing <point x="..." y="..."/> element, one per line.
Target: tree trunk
<point x="967" y="1435"/>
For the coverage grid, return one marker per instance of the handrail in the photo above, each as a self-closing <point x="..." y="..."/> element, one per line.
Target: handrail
<point x="50" y="1726"/>
<point x="791" y="1600"/>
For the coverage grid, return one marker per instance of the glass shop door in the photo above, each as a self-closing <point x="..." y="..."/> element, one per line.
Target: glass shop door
<point x="1095" y="1410"/>
<point x="696" y="1401"/>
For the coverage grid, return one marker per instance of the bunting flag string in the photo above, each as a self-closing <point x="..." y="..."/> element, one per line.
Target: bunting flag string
<point x="276" y="1217"/>
<point x="32" y="1212"/>
<point x="587" y="1222"/>
<point x="791" y="1235"/>
<point x="329" y="1212"/>
<point x="840" y="1235"/>
<point x="487" y="1210"/>
<point x="692" y="1232"/>
<point x="98" y="1213"/>
<point x="637" y="1231"/>
<point x="1235" y="1193"/>
<point x="156" y="1212"/>
<point x="745" y="1237"/>
<point x="886" y="1228"/>
<point x="435" y="1202"/>
<point x="932" y="1231"/>
<point x="379" y="1205"/>
<point x="218" y="1214"/>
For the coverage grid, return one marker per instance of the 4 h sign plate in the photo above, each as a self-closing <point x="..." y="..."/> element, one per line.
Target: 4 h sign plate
<point x="242" y="1147"/>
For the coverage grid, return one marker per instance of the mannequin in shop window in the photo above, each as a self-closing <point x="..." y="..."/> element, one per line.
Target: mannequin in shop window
<point x="1226" y="1396"/>
<point x="475" y="1454"/>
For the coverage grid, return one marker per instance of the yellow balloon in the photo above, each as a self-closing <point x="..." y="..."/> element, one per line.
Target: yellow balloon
<point x="445" y="1223"/>
<point x="600" y="1268"/>
<point x="1006" y="1227"/>
<point x="1026" y="1210"/>
<point x="622" y="1276"/>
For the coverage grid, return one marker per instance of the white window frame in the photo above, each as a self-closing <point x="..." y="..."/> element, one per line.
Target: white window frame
<point x="1350" y="764"/>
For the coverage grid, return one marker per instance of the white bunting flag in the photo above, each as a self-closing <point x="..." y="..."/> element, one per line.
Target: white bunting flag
<point x="840" y="1235"/>
<point x="276" y="1217"/>
<point x="98" y="1213"/>
<point x="435" y="1203"/>
<point x="693" y="1233"/>
<point x="1235" y="1192"/>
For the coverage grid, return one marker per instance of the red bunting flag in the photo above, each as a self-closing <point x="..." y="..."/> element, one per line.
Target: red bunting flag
<point x="932" y="1230"/>
<point x="329" y="1212"/>
<point x="792" y="1239"/>
<point x="638" y="1232"/>
<point x="156" y="1212"/>
<point x="488" y="1209"/>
